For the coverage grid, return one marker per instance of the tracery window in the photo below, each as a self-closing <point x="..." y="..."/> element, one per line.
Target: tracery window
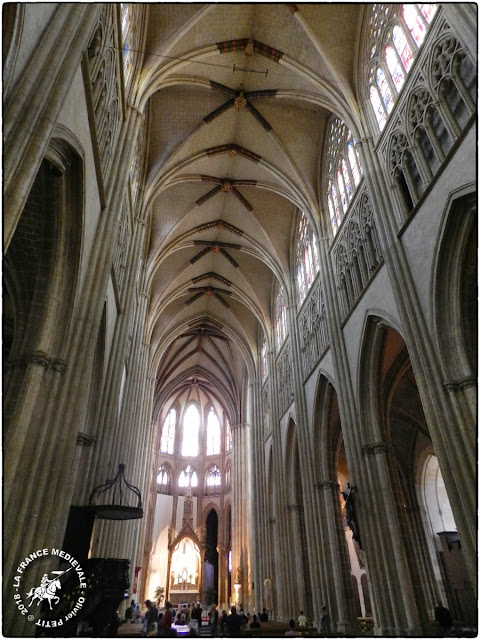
<point x="264" y="360"/>
<point x="228" y="437"/>
<point x="164" y="479"/>
<point x="191" y="426"/>
<point x="280" y="316"/>
<point x="128" y="37"/>
<point x="188" y="477"/>
<point x="228" y="476"/>
<point x="395" y="34"/>
<point x="213" y="434"/>
<point x="168" y="432"/>
<point x="307" y="261"/>
<point x="343" y="172"/>
<point x="213" y="480"/>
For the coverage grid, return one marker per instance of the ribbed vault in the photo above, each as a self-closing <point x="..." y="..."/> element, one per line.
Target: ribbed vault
<point x="236" y="98"/>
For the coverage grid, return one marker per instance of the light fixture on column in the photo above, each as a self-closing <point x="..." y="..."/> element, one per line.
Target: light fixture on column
<point x="116" y="496"/>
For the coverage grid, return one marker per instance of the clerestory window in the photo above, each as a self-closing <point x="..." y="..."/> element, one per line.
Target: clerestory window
<point x="168" y="432"/>
<point x="213" y="480"/>
<point x="228" y="437"/>
<point x="307" y="261"/>
<point x="343" y="171"/>
<point x="188" y="477"/>
<point x="396" y="32"/>
<point x="164" y="479"/>
<point x="280" y="316"/>
<point x="191" y="426"/>
<point x="213" y="434"/>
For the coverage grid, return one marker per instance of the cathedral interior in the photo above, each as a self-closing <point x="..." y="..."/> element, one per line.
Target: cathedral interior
<point x="240" y="311"/>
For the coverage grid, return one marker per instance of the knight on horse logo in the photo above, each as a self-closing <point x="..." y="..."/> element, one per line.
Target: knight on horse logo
<point x="50" y="585"/>
<point x="47" y="589"/>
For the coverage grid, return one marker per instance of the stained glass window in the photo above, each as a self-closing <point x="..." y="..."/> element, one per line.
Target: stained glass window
<point x="213" y="434"/>
<point x="228" y="436"/>
<point x="428" y="11"/>
<point x="214" y="477"/>
<point x="378" y="107"/>
<point x="395" y="68"/>
<point x="280" y="320"/>
<point x="162" y="477"/>
<point x="402" y="46"/>
<point x="342" y="182"/>
<point x="129" y="37"/>
<point x="228" y="475"/>
<point x="414" y="23"/>
<point x="354" y="164"/>
<point x="346" y="180"/>
<point x="264" y="361"/>
<point x="395" y="60"/>
<point x="168" y="432"/>
<point x="384" y="89"/>
<point x="191" y="425"/>
<point x="307" y="260"/>
<point x="188" y="477"/>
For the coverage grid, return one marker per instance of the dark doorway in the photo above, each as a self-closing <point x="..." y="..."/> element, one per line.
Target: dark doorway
<point x="210" y="573"/>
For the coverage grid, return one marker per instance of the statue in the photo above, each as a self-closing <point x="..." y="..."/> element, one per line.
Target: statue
<point x="350" y="512"/>
<point x="238" y="576"/>
<point x="267" y="592"/>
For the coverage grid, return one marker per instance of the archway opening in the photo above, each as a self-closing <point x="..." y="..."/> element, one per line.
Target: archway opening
<point x="210" y="569"/>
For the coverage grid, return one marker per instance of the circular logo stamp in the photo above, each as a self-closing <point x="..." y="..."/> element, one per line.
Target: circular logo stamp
<point x="60" y="591"/>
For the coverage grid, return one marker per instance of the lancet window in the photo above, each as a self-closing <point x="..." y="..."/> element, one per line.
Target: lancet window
<point x="264" y="361"/>
<point x="168" y="432"/>
<point x="188" y="477"/>
<point x="396" y="32"/>
<point x="280" y="316"/>
<point x="228" y="436"/>
<point x="213" y="480"/>
<point x="343" y="172"/>
<point x="129" y="30"/>
<point x="213" y="433"/>
<point x="307" y="261"/>
<point x="164" y="480"/>
<point x="191" y="426"/>
<point x="228" y="476"/>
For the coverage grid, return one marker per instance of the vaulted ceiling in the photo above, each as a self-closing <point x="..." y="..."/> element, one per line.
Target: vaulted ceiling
<point x="237" y="97"/>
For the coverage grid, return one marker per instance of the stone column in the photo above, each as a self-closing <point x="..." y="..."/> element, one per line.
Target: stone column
<point x="402" y="616"/>
<point x="336" y="582"/>
<point x="258" y="543"/>
<point x="241" y="494"/>
<point x="450" y="444"/>
<point x="280" y="577"/>
<point x="35" y="102"/>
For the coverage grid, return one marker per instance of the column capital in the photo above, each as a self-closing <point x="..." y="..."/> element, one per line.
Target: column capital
<point x="375" y="448"/>
<point x="325" y="485"/>
<point x="84" y="440"/>
<point x="460" y="383"/>
<point x="294" y="507"/>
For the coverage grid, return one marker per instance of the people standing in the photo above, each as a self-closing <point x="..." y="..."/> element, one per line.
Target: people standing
<point x="443" y="617"/>
<point x="167" y="619"/>
<point x="255" y="624"/>
<point x="302" y="620"/>
<point x="223" y="621"/>
<point x="264" y="615"/>
<point x="291" y="629"/>
<point x="213" y="621"/>
<point x="325" y="624"/>
<point x="233" y="624"/>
